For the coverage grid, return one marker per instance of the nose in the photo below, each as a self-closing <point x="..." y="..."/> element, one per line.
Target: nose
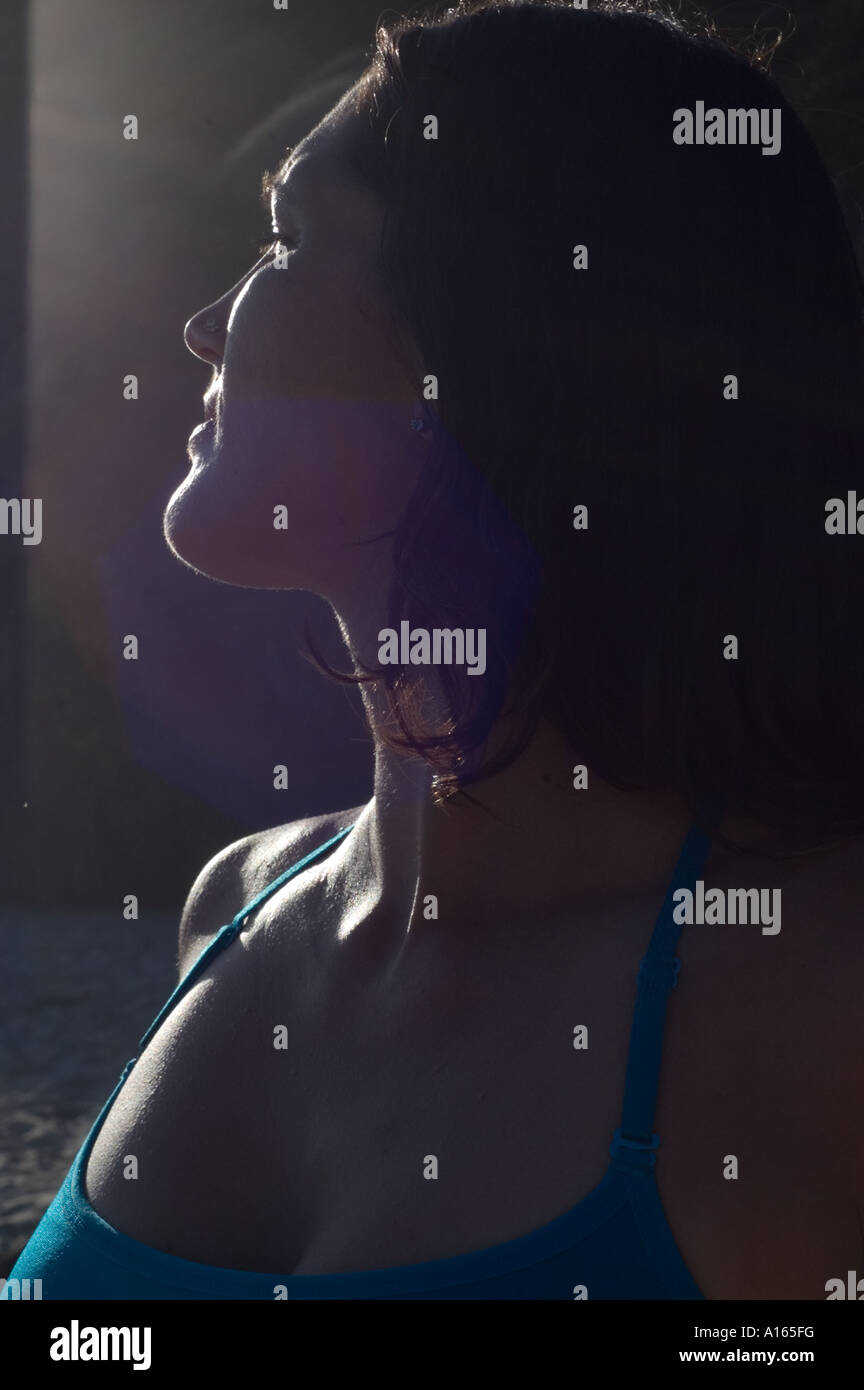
<point x="204" y="335"/>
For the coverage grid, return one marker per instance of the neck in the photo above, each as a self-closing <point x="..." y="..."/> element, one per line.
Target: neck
<point x="522" y="848"/>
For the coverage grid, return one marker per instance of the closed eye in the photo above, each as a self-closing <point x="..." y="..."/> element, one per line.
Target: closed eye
<point x="269" y="248"/>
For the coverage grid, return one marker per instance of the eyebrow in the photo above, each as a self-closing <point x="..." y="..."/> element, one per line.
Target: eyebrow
<point x="272" y="178"/>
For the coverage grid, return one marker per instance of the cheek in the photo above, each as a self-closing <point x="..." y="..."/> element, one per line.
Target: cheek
<point x="315" y="329"/>
<point x="315" y="451"/>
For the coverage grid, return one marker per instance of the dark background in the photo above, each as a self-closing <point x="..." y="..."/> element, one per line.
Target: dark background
<point x="124" y="776"/>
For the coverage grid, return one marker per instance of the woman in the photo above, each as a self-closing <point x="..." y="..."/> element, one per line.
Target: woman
<point x="550" y="406"/>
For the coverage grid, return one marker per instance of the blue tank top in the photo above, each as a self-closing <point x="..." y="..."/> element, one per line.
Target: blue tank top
<point x="614" y="1244"/>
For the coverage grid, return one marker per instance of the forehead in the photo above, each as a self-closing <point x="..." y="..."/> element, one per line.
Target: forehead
<point x="319" y="167"/>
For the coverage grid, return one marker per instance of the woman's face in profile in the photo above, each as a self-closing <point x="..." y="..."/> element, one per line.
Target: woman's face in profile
<point x="310" y="447"/>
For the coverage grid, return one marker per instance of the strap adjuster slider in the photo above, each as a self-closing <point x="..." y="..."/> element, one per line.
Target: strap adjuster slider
<point x="659" y="972"/>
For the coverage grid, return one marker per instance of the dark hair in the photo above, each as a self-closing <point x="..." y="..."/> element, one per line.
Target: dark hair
<point x="605" y="387"/>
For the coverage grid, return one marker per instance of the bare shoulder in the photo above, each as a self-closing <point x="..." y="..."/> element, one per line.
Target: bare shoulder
<point x="234" y="876"/>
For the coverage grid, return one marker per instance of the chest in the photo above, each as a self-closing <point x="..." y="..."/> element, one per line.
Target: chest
<point x="315" y="1128"/>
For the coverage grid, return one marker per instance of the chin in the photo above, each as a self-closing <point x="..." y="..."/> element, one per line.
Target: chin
<point x="208" y="538"/>
<point x="220" y="537"/>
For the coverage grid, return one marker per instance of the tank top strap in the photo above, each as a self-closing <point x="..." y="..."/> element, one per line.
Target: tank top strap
<point x="226" y="935"/>
<point x="246" y="912"/>
<point x="634" y="1144"/>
